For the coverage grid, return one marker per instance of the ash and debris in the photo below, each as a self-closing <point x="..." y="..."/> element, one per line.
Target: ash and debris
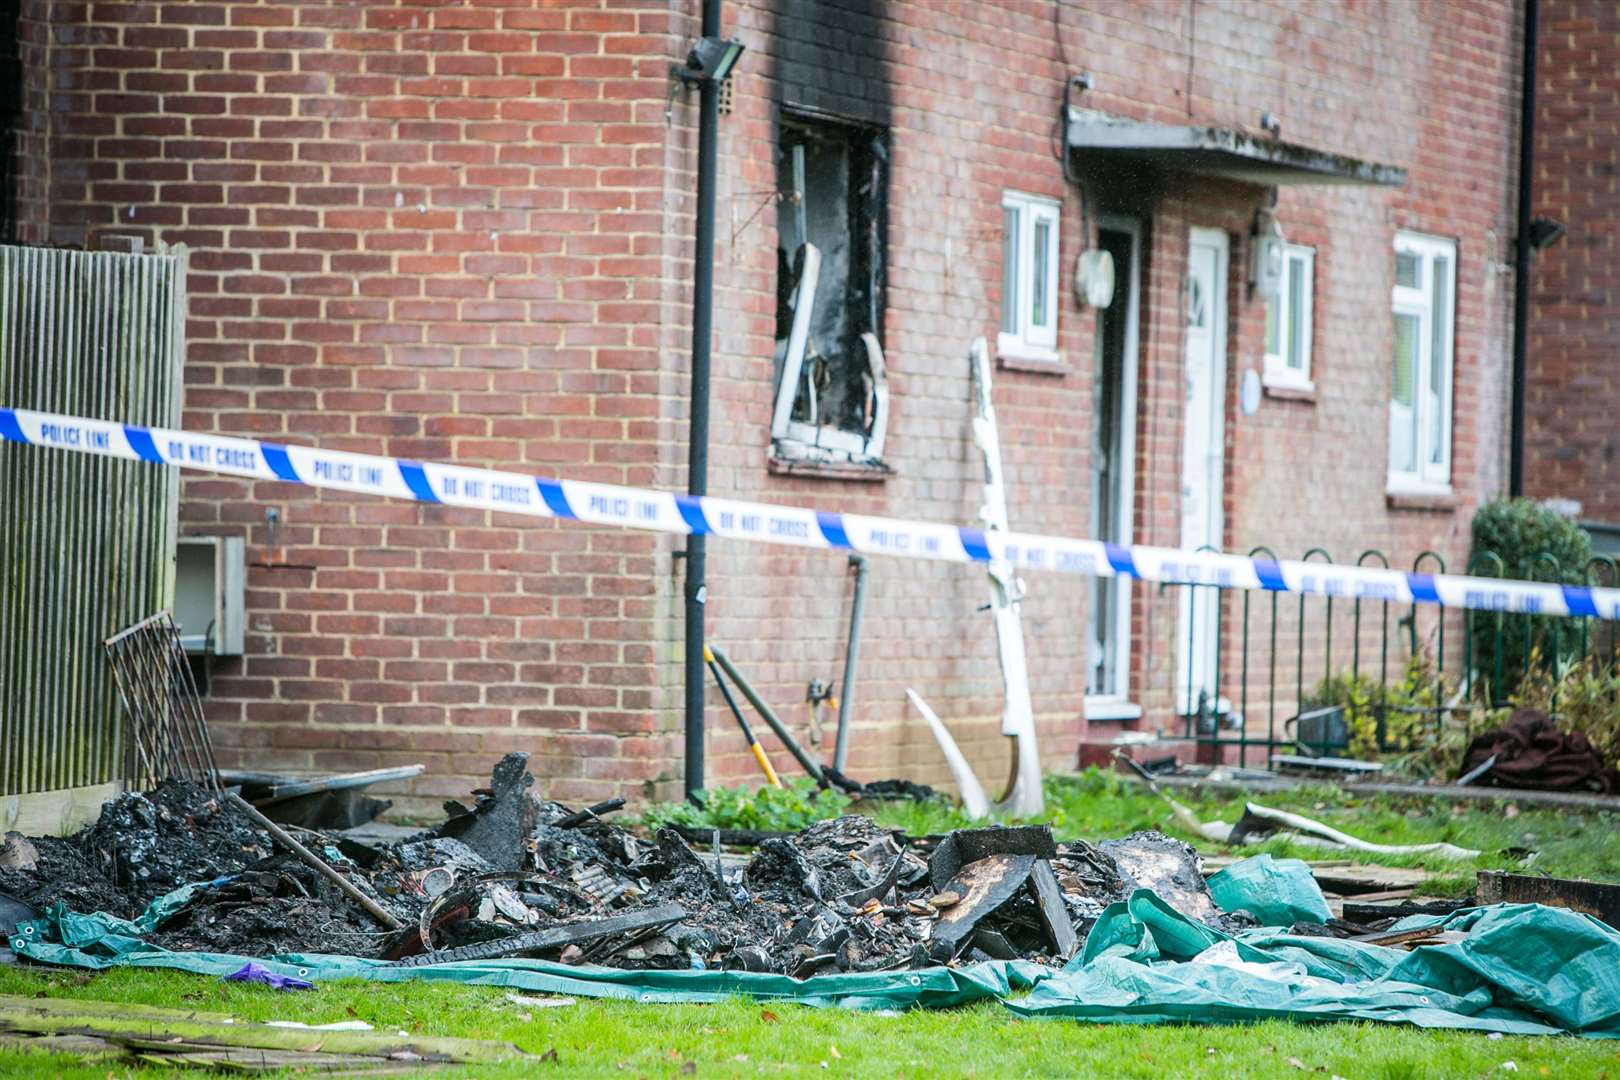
<point x="1152" y="860"/>
<point x="149" y="844"/>
<point x="279" y="905"/>
<point x="842" y="895"/>
<point x="58" y="870"/>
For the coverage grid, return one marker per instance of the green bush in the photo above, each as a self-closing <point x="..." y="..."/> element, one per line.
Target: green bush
<point x="1518" y="531"/>
<point x="768" y="809"/>
<point x="1585" y="697"/>
<point x="1398" y="705"/>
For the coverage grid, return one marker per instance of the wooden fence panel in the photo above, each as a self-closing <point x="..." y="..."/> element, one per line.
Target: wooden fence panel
<point x="86" y="542"/>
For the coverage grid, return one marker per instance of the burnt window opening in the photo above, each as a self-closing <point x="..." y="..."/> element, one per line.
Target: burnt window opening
<point x="832" y="390"/>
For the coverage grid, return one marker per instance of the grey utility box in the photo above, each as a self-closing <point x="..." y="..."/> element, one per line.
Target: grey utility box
<point x="209" y="578"/>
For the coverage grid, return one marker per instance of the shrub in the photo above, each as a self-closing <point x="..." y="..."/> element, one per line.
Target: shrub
<point x="1405" y="707"/>
<point x="1584" y="698"/>
<point x="769" y="809"/>
<point x="1518" y="531"/>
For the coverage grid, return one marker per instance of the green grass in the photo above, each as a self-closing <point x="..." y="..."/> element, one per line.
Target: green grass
<point x="1099" y="806"/>
<point x="741" y="1038"/>
<point x="747" y="1039"/>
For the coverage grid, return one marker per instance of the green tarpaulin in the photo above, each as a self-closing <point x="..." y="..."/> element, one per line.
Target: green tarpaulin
<point x="1277" y="892"/>
<point x="1522" y="969"/>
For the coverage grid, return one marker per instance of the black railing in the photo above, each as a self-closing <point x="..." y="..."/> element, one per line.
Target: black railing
<point x="1406" y="683"/>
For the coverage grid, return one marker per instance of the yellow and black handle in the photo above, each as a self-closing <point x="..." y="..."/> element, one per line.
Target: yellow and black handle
<point x="748" y="732"/>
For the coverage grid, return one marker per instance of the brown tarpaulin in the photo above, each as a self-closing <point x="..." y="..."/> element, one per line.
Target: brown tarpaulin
<point x="1531" y="752"/>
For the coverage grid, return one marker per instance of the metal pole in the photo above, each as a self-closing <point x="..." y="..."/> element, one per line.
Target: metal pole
<point x="852" y="653"/>
<point x="313" y="861"/>
<point x="1521" y="268"/>
<point x="697" y="449"/>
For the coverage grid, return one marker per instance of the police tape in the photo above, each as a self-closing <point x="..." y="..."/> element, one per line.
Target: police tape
<point x="660" y="511"/>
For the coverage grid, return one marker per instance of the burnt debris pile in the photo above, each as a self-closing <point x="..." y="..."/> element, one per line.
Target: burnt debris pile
<point x="516" y="875"/>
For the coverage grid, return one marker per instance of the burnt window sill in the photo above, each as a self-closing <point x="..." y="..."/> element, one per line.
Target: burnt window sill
<point x="869" y="472"/>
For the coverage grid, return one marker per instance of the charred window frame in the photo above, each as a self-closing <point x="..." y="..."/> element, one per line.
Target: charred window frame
<point x="832" y="228"/>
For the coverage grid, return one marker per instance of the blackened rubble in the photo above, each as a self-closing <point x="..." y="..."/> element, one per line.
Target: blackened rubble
<point x="150" y="844"/>
<point x="503" y="875"/>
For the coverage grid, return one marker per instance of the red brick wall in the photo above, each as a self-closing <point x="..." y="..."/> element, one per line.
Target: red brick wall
<point x="975" y="91"/>
<point x="32" y="160"/>
<point x="1570" y="440"/>
<point x="460" y="233"/>
<point x="1312" y="474"/>
<point x="424" y="230"/>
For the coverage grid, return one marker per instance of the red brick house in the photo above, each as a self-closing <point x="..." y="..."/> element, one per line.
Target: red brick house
<point x="1574" y="329"/>
<point x="462" y="232"/>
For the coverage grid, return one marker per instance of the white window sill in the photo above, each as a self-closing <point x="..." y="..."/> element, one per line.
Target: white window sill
<point x="1286" y="378"/>
<point x="1109" y="708"/>
<point x="1021" y="356"/>
<point x="1404" y="484"/>
<point x="1407" y="494"/>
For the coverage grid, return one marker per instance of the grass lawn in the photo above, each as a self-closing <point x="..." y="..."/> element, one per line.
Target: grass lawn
<point x="744" y="1038"/>
<point x="1099" y="806"/>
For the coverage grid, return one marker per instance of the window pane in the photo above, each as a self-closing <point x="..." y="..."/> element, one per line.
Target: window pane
<point x="1273" y="329"/>
<point x="1403" y="417"/>
<point x="1408" y="270"/>
<point x="1009" y="270"/>
<point x="1438" y="354"/>
<point x="1296" y="313"/>
<point x="1040" y="312"/>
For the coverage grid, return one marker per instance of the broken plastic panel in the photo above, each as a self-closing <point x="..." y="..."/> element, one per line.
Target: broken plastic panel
<point x="1023" y="796"/>
<point x="799" y="425"/>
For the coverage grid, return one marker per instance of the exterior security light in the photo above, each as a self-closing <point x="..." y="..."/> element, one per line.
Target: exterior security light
<point x="710" y="60"/>
<point x="1545" y="232"/>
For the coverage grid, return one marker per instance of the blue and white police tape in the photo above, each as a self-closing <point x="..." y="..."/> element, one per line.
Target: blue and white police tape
<point x="661" y="511"/>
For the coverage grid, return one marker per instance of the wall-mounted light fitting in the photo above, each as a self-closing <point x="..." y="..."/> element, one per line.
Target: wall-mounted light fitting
<point x="1545" y="232"/>
<point x="710" y="60"/>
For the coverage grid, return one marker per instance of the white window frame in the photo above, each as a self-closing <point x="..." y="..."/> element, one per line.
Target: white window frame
<point x="1276" y="370"/>
<point x="1429" y="477"/>
<point x="1029" y="340"/>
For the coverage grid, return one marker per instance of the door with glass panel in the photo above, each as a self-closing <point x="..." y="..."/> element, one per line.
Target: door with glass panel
<point x="1203" y="459"/>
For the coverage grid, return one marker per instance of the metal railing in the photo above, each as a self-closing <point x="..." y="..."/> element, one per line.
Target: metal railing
<point x="86" y="541"/>
<point x="1283" y="663"/>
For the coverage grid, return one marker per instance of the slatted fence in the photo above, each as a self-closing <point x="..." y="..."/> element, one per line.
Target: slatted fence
<point x="86" y="542"/>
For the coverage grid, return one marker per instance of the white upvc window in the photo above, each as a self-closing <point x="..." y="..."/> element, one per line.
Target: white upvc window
<point x="1029" y="276"/>
<point x="1288" y="322"/>
<point x="1424" y="302"/>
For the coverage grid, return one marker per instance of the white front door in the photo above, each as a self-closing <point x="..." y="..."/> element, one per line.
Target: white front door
<point x="1203" y="458"/>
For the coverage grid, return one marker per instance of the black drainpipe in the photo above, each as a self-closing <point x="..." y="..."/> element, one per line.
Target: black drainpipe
<point x="697" y="446"/>
<point x="1521" y="268"/>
